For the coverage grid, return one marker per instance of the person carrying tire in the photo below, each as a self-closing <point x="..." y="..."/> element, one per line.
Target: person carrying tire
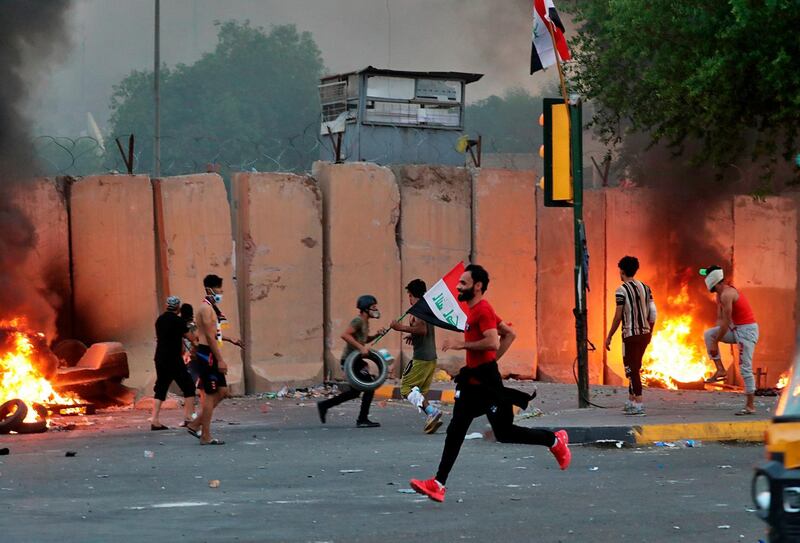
<point x="418" y="375"/>
<point x="356" y="337"/>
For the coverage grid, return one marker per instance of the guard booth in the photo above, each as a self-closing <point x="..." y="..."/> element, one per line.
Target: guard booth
<point x="393" y="117"/>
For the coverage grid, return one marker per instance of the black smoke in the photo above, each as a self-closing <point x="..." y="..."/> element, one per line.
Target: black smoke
<point x="32" y="34"/>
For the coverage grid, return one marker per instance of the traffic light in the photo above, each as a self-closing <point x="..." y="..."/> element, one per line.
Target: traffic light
<point x="557" y="178"/>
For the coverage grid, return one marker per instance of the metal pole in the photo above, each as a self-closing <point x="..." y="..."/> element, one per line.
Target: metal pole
<point x="156" y="92"/>
<point x="581" y="325"/>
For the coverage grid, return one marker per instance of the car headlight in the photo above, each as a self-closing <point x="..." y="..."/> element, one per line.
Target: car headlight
<point x="761" y="491"/>
<point x="791" y="499"/>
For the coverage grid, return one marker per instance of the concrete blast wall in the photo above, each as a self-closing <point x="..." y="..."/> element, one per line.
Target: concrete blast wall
<point x="765" y="268"/>
<point x="195" y="239"/>
<point x="505" y="244"/>
<point x="435" y="233"/>
<point x="308" y="247"/>
<point x="114" y="267"/>
<point x="361" y="210"/>
<point x="43" y="202"/>
<point x="556" y="291"/>
<point x="279" y="264"/>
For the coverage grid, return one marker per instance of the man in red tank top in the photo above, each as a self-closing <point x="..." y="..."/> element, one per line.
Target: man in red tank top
<point x="480" y="389"/>
<point x="736" y="324"/>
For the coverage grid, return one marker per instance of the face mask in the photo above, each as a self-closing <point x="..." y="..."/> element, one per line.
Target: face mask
<point x="214" y="296"/>
<point x="374" y="314"/>
<point x="466" y="295"/>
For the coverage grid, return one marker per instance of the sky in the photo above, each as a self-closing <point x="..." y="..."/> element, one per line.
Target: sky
<point x="110" y="38"/>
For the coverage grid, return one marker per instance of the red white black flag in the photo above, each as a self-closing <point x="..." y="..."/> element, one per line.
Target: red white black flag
<point x="440" y="306"/>
<point x="545" y="18"/>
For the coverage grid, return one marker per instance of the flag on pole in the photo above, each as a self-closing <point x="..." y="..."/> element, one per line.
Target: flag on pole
<point x="543" y="54"/>
<point x="440" y="306"/>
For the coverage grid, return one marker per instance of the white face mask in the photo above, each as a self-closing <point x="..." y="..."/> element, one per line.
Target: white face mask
<point x="214" y="296"/>
<point x="374" y="314"/>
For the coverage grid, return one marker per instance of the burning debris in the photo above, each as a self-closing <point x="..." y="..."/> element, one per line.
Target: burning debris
<point x="25" y="364"/>
<point x="675" y="359"/>
<point x="35" y="384"/>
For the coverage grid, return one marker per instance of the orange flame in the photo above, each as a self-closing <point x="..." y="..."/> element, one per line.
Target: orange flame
<point x="675" y="353"/>
<point x="783" y="380"/>
<point x="19" y="377"/>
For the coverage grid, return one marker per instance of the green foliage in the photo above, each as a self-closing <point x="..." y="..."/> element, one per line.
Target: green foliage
<point x="507" y="124"/>
<point x="720" y="73"/>
<point x="251" y="103"/>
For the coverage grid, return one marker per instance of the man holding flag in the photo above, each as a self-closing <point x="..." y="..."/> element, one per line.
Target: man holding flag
<point x="480" y="389"/>
<point x="417" y="376"/>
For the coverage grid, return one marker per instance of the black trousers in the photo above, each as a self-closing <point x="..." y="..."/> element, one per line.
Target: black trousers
<point x="633" y="348"/>
<point x="352" y="394"/>
<point x="472" y="402"/>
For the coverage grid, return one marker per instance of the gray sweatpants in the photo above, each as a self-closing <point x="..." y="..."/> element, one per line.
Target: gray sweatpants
<point x="746" y="336"/>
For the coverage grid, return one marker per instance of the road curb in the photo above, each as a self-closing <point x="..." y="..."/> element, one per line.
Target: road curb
<point x="751" y="431"/>
<point x="391" y="392"/>
<point x="647" y="434"/>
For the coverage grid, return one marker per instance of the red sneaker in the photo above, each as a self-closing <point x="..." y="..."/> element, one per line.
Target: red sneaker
<point x="431" y="488"/>
<point x="561" y="450"/>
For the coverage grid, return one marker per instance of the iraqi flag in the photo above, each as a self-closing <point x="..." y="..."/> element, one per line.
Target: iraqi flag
<point x="543" y="54"/>
<point x="440" y="306"/>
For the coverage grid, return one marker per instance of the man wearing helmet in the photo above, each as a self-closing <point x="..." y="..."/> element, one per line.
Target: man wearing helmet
<point x="356" y="337"/>
<point x="736" y="324"/>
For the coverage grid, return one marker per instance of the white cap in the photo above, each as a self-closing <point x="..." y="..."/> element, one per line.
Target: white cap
<point x="713" y="279"/>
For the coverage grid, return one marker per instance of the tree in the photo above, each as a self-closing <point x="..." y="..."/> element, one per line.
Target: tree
<point x="718" y="76"/>
<point x="251" y="103"/>
<point x="507" y="124"/>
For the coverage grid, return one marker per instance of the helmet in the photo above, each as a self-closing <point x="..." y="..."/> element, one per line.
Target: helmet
<point x="365" y="302"/>
<point x="173" y="303"/>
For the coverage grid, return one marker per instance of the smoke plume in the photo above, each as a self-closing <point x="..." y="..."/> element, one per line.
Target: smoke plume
<point x="32" y="31"/>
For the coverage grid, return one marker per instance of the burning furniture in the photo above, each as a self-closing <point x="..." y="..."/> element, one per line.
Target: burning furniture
<point x="35" y="383"/>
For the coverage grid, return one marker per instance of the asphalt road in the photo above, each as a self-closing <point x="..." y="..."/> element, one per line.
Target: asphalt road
<point x="285" y="477"/>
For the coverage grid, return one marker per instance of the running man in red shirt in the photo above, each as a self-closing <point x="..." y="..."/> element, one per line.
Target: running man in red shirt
<point x="480" y="389"/>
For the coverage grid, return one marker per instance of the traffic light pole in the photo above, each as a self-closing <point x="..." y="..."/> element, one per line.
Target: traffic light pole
<point x="581" y="325"/>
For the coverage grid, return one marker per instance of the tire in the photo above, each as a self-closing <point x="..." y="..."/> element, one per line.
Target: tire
<point x="357" y="379"/>
<point x="34" y="427"/>
<point x="11" y="419"/>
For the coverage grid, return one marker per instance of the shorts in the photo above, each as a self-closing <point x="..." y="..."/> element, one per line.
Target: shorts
<point x="418" y="373"/>
<point x="166" y="373"/>
<point x="205" y="369"/>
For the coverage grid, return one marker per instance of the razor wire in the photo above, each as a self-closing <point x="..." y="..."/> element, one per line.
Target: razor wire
<point x="183" y="154"/>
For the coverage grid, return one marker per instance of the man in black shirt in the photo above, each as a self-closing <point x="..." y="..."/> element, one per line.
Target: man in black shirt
<point x="170" y="330"/>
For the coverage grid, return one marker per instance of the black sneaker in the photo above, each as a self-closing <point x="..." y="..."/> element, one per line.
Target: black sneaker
<point x="322" y="411"/>
<point x="366" y="423"/>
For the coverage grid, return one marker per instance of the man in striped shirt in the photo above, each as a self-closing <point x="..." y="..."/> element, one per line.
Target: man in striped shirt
<point x="636" y="310"/>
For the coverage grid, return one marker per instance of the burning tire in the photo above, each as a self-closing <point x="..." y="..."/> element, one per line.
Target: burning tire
<point x="12" y="413"/>
<point x="34" y="427"/>
<point x="360" y="376"/>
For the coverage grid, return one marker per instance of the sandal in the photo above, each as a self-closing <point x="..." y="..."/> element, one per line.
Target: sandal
<point x="716" y="378"/>
<point x="154" y="428"/>
<point x="185" y="423"/>
<point x="745" y="412"/>
<point x="195" y="433"/>
<point x="214" y="441"/>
